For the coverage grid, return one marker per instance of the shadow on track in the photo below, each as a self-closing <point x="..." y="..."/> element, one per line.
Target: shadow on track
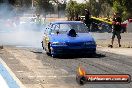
<point x="97" y="55"/>
<point x="37" y="52"/>
<point x="73" y="56"/>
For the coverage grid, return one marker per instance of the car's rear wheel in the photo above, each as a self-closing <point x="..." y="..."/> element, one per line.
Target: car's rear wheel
<point x="53" y="55"/>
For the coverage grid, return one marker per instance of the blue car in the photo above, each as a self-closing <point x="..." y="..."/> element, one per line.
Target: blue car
<point x="68" y="37"/>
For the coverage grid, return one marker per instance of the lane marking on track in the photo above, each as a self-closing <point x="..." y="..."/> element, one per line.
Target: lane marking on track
<point x="11" y="74"/>
<point x="54" y="76"/>
<point x="11" y="83"/>
<point x="65" y="71"/>
<point x="20" y="71"/>
<point x="3" y="83"/>
<point x="11" y="58"/>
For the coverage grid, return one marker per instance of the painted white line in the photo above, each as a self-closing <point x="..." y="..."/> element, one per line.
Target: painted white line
<point x="63" y="70"/>
<point x="3" y="83"/>
<point x="11" y="58"/>
<point x="12" y="74"/>
<point x="20" y="71"/>
<point x="53" y="76"/>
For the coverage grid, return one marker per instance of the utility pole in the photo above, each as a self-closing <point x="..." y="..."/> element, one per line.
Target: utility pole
<point x="32" y="3"/>
<point x="58" y="8"/>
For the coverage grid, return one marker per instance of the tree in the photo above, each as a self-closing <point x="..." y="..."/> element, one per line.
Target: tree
<point x="94" y="7"/>
<point x="122" y="6"/>
<point x="1" y="1"/>
<point x="12" y="2"/>
<point x="71" y="9"/>
<point x="106" y="10"/>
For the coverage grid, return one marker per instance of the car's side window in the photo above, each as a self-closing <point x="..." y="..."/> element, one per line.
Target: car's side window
<point x="54" y="28"/>
<point x="57" y="27"/>
<point x="51" y="28"/>
<point x="64" y="27"/>
<point x="46" y="29"/>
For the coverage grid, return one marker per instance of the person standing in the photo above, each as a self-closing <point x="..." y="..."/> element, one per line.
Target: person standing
<point x="87" y="18"/>
<point x="116" y="31"/>
<point x="38" y="22"/>
<point x="77" y="18"/>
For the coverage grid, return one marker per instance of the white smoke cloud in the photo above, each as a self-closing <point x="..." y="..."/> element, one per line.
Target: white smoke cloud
<point x="14" y="32"/>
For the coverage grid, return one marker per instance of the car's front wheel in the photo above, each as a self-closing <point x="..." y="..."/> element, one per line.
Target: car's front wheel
<point x="54" y="55"/>
<point x="48" y="50"/>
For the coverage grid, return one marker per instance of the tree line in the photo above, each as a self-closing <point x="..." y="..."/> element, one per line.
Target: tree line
<point x="39" y="5"/>
<point x="100" y="8"/>
<point x="97" y="8"/>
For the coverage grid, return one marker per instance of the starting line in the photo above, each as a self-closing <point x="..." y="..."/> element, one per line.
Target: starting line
<point x="7" y="77"/>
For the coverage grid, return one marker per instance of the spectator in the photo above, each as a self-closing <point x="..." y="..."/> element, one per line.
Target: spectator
<point x="87" y="18"/>
<point x="77" y="18"/>
<point x="116" y="31"/>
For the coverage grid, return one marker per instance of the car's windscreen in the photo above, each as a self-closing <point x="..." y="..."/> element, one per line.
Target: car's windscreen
<point x="65" y="27"/>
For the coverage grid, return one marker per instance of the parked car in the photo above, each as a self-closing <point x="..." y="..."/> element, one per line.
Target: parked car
<point x="68" y="37"/>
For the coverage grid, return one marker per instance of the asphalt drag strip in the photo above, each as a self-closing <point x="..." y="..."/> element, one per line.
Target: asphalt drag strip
<point x="35" y="69"/>
<point x="7" y="77"/>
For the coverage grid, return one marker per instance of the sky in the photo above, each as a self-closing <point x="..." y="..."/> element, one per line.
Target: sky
<point x="82" y="1"/>
<point x="79" y="1"/>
